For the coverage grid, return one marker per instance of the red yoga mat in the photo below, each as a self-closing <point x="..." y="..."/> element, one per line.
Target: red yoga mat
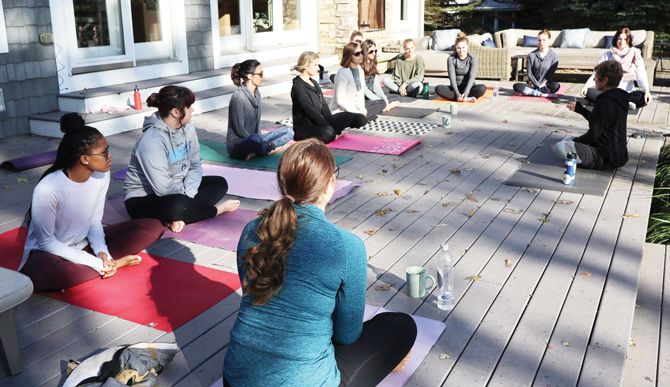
<point x="159" y="292"/>
<point x="373" y="144"/>
<point x="530" y="98"/>
<point x="487" y="94"/>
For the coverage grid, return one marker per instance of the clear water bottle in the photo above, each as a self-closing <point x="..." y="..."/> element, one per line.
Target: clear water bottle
<point x="570" y="169"/>
<point x="445" y="279"/>
<point x="496" y="89"/>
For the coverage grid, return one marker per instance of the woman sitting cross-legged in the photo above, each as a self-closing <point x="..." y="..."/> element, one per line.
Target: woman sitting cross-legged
<point x="164" y="179"/>
<point x="244" y="139"/>
<point x="66" y="243"/>
<point x="300" y="321"/>
<point x="350" y="86"/>
<point x="462" y="67"/>
<point x="374" y="90"/>
<point x="311" y="115"/>
<point x="542" y="64"/>
<point x="634" y="71"/>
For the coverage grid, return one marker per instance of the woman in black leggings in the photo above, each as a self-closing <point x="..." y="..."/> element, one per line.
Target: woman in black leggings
<point x="164" y="179"/>
<point x="462" y="68"/>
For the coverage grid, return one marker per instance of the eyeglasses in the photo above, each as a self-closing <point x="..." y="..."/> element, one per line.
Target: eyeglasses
<point x="372" y="52"/>
<point x="259" y="74"/>
<point x="336" y="172"/>
<point x="358" y="53"/>
<point x="104" y="153"/>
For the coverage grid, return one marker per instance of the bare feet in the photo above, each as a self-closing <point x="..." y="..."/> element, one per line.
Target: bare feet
<point x="227" y="206"/>
<point x="112" y="266"/>
<point x="176" y="226"/>
<point x="391" y="105"/>
<point x="280" y="149"/>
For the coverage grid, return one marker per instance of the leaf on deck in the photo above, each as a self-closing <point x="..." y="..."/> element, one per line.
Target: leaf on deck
<point x="455" y="171"/>
<point x="397" y="191"/>
<point x="22" y="179"/>
<point x="512" y="210"/>
<point x="411" y="211"/>
<point x="474" y="277"/>
<point x="444" y="356"/>
<point x="544" y="218"/>
<point x="565" y="343"/>
<point x="508" y="262"/>
<point x="563" y="201"/>
<point x="531" y="190"/>
<point x="627" y="216"/>
<point x="383" y="193"/>
<point x="383" y="211"/>
<point x="370" y="231"/>
<point x="470" y="213"/>
<point x="585" y="273"/>
<point x="471" y="197"/>
<point x="384" y="287"/>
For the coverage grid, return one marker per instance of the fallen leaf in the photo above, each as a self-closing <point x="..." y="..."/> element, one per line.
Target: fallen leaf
<point x="385" y="171"/>
<point x="647" y="378"/>
<point x="395" y="165"/>
<point x="525" y="161"/>
<point x="544" y="219"/>
<point x="439" y="224"/>
<point x="508" y="262"/>
<point x="471" y="197"/>
<point x="411" y="211"/>
<point x="22" y="179"/>
<point x="470" y="213"/>
<point x="383" y="211"/>
<point x="626" y="216"/>
<point x="505" y="121"/>
<point x="360" y="177"/>
<point x="445" y="204"/>
<point x="382" y="193"/>
<point x="397" y="191"/>
<point x="565" y="343"/>
<point x="444" y="356"/>
<point x="632" y="342"/>
<point x="455" y="171"/>
<point x="485" y="156"/>
<point x="531" y="190"/>
<point x="512" y="210"/>
<point x="468" y="169"/>
<point x="384" y="287"/>
<point x="585" y="273"/>
<point x="563" y="201"/>
<point x="370" y="231"/>
<point x="474" y="277"/>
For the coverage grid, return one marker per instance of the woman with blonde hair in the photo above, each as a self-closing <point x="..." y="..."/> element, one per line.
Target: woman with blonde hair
<point x="311" y="116"/>
<point x="350" y="86"/>
<point x="462" y="67"/>
<point x="300" y="320"/>
<point x="373" y="90"/>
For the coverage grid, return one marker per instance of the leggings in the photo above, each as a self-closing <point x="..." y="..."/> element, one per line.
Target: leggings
<point x="260" y="144"/>
<point x="170" y="208"/>
<point x="413" y="89"/>
<point x="374" y="107"/>
<point x="526" y="89"/>
<point x="328" y="133"/>
<point x="50" y="272"/>
<point x="446" y="92"/>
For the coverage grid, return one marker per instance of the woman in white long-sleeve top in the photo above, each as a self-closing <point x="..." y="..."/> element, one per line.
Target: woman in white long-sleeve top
<point x="374" y="90"/>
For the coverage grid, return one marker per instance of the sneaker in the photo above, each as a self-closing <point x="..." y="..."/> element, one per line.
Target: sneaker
<point x="632" y="106"/>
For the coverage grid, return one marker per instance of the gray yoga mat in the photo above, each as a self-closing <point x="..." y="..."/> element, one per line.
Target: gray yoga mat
<point x="545" y="171"/>
<point x="408" y="112"/>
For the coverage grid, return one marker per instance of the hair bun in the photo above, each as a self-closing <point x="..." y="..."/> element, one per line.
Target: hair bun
<point x="152" y="101"/>
<point x="71" y="122"/>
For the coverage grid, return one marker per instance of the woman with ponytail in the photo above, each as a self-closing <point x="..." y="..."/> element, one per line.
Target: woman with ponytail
<point x="244" y="139"/>
<point x="311" y="115"/>
<point x="300" y="320"/>
<point x="164" y="179"/>
<point x="66" y="243"/>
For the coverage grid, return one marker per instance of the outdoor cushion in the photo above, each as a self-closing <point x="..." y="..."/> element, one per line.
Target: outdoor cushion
<point x="608" y="40"/>
<point x="574" y="38"/>
<point x="488" y="43"/>
<point x="529" y="41"/>
<point x="444" y="39"/>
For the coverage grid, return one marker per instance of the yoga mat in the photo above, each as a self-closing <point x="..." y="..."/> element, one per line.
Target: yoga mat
<point x="408" y="112"/>
<point x="530" y="98"/>
<point x="216" y="151"/>
<point x="487" y="94"/>
<point x="373" y="144"/>
<point x="30" y="162"/>
<point x="545" y="171"/>
<point x="222" y="231"/>
<point x="404" y="127"/>
<point x="255" y="184"/>
<point x="159" y="292"/>
<point x="428" y="331"/>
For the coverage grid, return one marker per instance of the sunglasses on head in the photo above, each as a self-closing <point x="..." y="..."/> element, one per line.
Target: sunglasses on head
<point x="358" y="53"/>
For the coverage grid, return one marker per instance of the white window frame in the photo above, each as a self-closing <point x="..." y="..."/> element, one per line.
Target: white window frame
<point x="4" y="47"/>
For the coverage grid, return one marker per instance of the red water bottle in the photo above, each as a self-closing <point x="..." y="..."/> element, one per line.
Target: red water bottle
<point x="138" y="99"/>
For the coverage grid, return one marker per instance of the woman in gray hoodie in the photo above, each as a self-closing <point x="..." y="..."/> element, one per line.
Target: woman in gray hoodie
<point x="164" y="179"/>
<point x="244" y="139"/>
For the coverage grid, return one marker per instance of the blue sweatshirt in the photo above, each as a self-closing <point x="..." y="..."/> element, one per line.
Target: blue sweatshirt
<point x="289" y="340"/>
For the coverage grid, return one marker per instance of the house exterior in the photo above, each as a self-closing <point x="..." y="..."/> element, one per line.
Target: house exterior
<point x="50" y="48"/>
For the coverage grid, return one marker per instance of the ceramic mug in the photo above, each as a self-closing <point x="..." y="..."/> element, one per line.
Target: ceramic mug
<point x="446" y="121"/>
<point x="416" y="281"/>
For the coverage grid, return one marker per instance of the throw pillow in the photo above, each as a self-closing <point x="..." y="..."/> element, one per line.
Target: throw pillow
<point x="444" y="39"/>
<point x="529" y="41"/>
<point x="574" y="38"/>
<point x="608" y="41"/>
<point x="489" y="43"/>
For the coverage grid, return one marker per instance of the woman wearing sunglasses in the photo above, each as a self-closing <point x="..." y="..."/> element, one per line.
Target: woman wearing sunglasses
<point x="350" y="86"/>
<point x="374" y="91"/>
<point x="66" y="243"/>
<point x="244" y="139"/>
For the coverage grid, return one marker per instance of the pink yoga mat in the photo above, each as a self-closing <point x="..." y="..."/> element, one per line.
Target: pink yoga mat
<point x="373" y="144"/>
<point x="530" y="98"/>
<point x="222" y="231"/>
<point x="254" y="184"/>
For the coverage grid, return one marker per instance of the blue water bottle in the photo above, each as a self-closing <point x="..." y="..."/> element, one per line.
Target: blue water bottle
<point x="570" y="169"/>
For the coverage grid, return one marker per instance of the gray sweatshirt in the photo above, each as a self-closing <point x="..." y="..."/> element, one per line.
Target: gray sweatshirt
<point x="244" y="115"/>
<point x="461" y="71"/>
<point x="541" y="69"/>
<point x="164" y="161"/>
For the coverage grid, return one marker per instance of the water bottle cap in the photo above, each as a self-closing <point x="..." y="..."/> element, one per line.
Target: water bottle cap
<point x="571" y="156"/>
<point x="445" y="246"/>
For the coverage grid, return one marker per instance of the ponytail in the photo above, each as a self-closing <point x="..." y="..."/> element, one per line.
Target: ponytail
<point x="239" y="71"/>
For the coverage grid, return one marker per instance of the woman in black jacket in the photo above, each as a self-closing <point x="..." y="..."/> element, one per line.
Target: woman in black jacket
<point x="311" y="115"/>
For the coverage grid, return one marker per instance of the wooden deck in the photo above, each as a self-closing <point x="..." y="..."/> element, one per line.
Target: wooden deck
<point x="546" y="280"/>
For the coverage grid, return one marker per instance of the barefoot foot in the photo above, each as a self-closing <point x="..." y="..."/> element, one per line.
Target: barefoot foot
<point x="128" y="260"/>
<point x="227" y="206"/>
<point x="280" y="149"/>
<point x="176" y="226"/>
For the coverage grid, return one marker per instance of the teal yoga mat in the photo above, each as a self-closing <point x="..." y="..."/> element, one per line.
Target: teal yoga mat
<point x="216" y="151"/>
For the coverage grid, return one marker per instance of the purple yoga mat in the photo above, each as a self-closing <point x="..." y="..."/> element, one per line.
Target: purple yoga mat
<point x="120" y="174"/>
<point x="30" y="162"/>
<point x="222" y="231"/>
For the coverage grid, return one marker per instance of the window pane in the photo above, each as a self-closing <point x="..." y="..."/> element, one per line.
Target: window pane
<point x="291" y="15"/>
<point x="229" y="17"/>
<point x="371" y="14"/>
<point x="263" y="18"/>
<point x="98" y="24"/>
<point x="146" y="20"/>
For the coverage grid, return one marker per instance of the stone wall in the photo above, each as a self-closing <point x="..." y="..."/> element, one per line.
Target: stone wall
<point x="199" y="35"/>
<point x="28" y="77"/>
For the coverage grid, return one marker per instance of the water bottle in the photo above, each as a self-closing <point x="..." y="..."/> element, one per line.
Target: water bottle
<point x="426" y="91"/>
<point x="496" y="89"/>
<point x="570" y="169"/>
<point x="445" y="279"/>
